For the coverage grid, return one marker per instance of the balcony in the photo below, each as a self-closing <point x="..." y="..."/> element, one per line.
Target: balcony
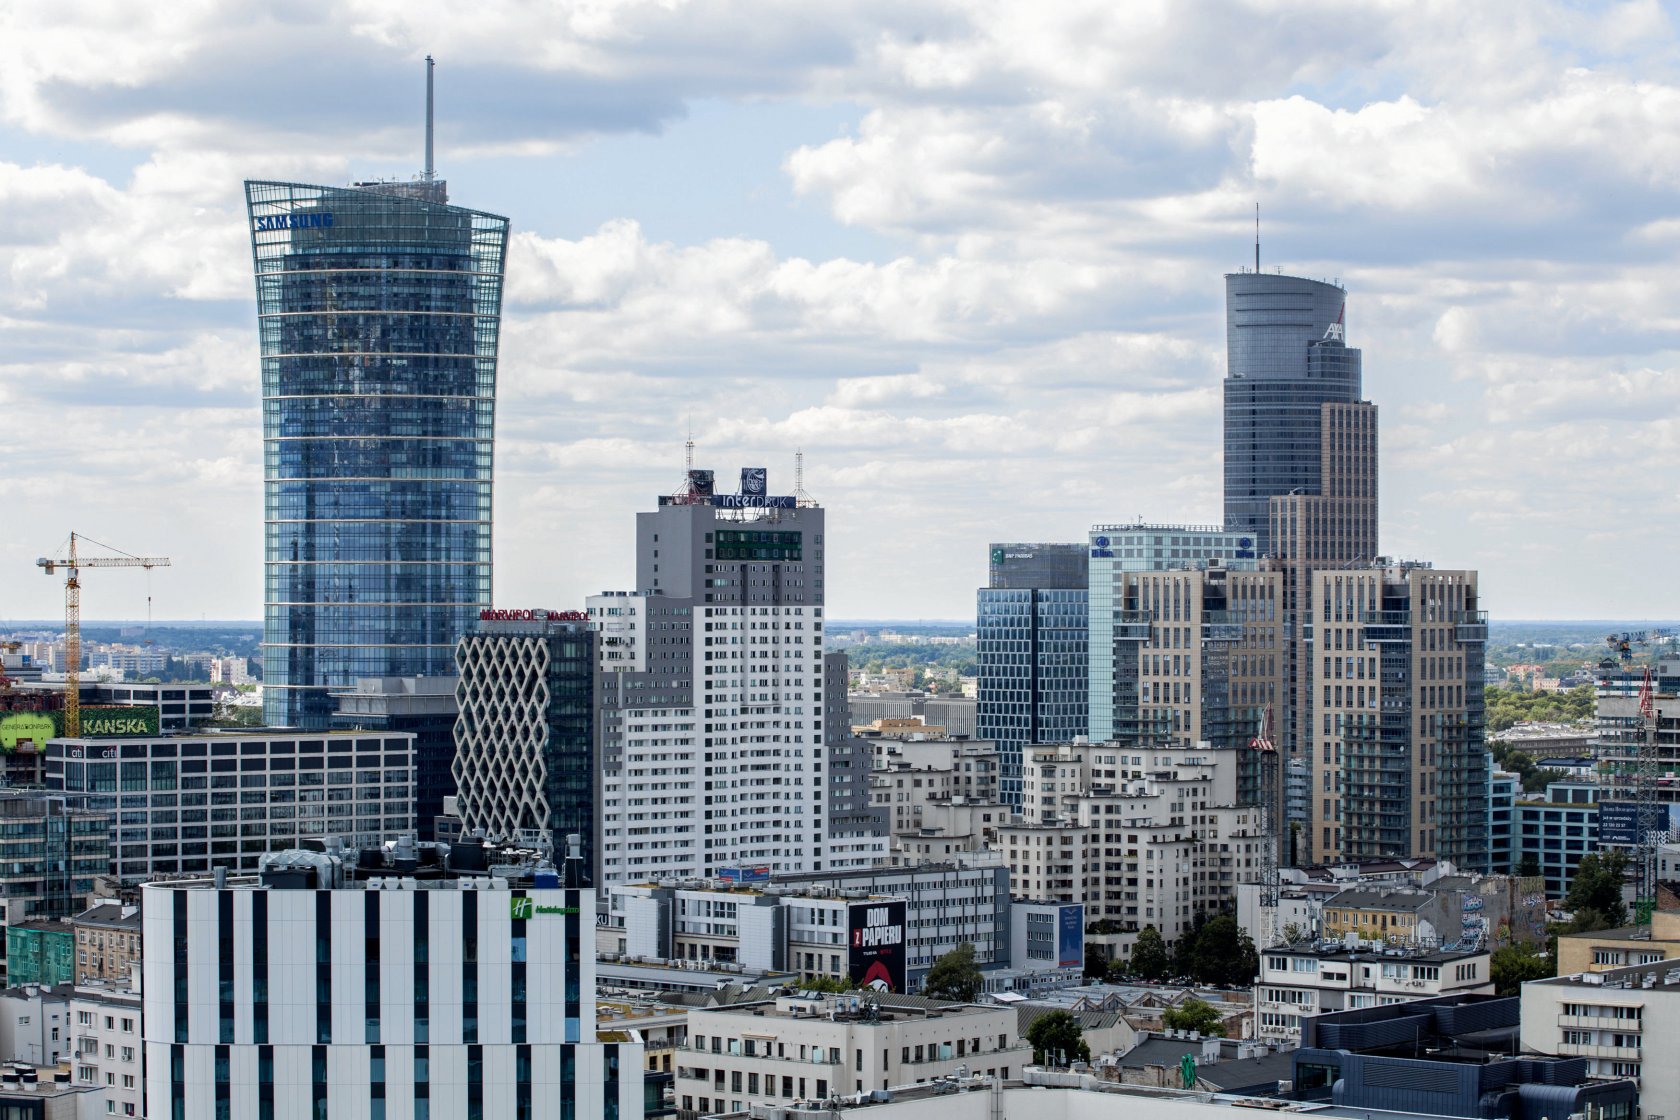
<point x="1614" y="1053"/>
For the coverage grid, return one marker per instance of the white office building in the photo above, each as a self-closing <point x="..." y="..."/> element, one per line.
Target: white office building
<point x="301" y="994"/>
<point x="1299" y="982"/>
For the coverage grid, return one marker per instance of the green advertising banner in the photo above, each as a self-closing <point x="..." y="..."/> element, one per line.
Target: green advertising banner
<point x="30" y="730"/>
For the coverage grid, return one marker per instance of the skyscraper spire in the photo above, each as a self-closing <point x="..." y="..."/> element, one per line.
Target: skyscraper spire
<point x="431" y="170"/>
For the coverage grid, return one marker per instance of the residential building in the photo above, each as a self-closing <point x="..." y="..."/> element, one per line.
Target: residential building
<point x="711" y="739"/>
<point x="1623" y="1023"/>
<point x="1395" y="733"/>
<point x="1455" y="1055"/>
<point x="858" y="833"/>
<point x="398" y="995"/>
<point x="808" y="1048"/>
<point x="1556" y="830"/>
<point x="1297" y="982"/>
<point x="1140" y="836"/>
<point x="1605" y="949"/>
<point x="40" y="952"/>
<point x="1031" y="632"/>
<point x="190" y="803"/>
<point x="422" y="706"/>
<point x="107" y="942"/>
<point x="1127" y="616"/>
<point x="34" y="1022"/>
<point x="525" y="736"/>
<point x="378" y="311"/>
<point x="103" y="1024"/>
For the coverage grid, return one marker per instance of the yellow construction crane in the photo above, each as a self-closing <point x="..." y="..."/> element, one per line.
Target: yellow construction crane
<point x="72" y="565"/>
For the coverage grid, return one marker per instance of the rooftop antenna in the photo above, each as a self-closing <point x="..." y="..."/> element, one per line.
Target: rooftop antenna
<point x="799" y="494"/>
<point x="688" y="449"/>
<point x="429" y="164"/>
<point x="430" y="172"/>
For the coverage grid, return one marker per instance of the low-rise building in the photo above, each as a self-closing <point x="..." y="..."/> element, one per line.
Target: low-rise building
<point x="1621" y="1023"/>
<point x="1606" y="949"/>
<point x="823" y="1047"/>
<point x="104" y="1029"/>
<point x="802" y="924"/>
<point x="40" y="952"/>
<point x="107" y="937"/>
<point x="1556" y="830"/>
<point x="1298" y="982"/>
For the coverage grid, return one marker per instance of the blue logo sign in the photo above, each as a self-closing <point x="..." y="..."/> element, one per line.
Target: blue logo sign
<point x="755" y="480"/>
<point x="754" y="501"/>
<point x="1100" y="542"/>
<point x="1245" y="542"/>
<point x="320" y="220"/>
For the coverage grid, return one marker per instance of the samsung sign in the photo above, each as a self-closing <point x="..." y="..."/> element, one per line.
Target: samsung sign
<point x="319" y="220"/>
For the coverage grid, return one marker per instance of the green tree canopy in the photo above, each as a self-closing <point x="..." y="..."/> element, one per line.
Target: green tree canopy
<point x="1597" y="887"/>
<point x="1149" y="955"/>
<point x="1224" y="954"/>
<point x="1194" y="1015"/>
<point x="1512" y="964"/>
<point x="955" y="976"/>
<point x="1056" y="1038"/>
<point x="824" y="984"/>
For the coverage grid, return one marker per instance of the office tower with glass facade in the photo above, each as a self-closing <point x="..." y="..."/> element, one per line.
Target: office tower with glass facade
<point x="1286" y="358"/>
<point x="1031" y="627"/>
<point x="378" y="308"/>
<point x="525" y="737"/>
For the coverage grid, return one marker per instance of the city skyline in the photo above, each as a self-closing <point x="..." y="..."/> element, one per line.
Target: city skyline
<point x="1019" y="324"/>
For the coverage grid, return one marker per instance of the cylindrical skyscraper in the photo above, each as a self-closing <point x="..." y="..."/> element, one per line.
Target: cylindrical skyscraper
<point x="1286" y="358"/>
<point x="379" y="308"/>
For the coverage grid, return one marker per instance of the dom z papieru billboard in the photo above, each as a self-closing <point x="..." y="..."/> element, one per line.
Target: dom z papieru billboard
<point x="1070" y="937"/>
<point x="878" y="952"/>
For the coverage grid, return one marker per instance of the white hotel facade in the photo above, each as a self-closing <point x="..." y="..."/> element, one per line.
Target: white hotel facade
<point x="394" y="999"/>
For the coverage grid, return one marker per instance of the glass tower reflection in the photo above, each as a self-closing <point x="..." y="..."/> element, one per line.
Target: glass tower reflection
<point x="379" y="309"/>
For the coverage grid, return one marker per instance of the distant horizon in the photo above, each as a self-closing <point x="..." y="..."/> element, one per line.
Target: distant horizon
<point x="257" y="622"/>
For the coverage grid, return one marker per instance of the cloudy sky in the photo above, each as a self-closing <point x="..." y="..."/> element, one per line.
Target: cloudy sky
<point x="967" y="256"/>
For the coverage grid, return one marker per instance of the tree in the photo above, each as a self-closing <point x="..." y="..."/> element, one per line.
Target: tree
<point x="1194" y="1015"/>
<point x="1149" y="955"/>
<point x="1597" y="887"/>
<point x="1055" y="1037"/>
<point x="1096" y="963"/>
<point x="1538" y="780"/>
<point x="1515" y="963"/>
<point x="1224" y="954"/>
<point x="1184" y="949"/>
<point x="1292" y="932"/>
<point x="824" y="984"/>
<point x="955" y="976"/>
<point x="1528" y="866"/>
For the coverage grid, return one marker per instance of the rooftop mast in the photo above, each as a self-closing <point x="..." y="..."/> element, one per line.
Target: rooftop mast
<point x="431" y="172"/>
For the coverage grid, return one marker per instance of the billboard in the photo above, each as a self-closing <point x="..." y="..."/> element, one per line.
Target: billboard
<point x="877" y="952"/>
<point x="1070" y="936"/>
<point x="30" y="731"/>
<point x="1618" y="821"/>
<point x="757" y="874"/>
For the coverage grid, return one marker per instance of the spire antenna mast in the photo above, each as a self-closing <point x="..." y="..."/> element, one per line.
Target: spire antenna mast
<point x="1256" y="205"/>
<point x="431" y="171"/>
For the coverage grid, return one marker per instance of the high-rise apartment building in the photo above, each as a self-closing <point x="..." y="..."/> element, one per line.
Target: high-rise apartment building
<point x="1032" y="629"/>
<point x="1395" y="744"/>
<point x="711" y="742"/>
<point x="524" y="739"/>
<point x="378" y="309"/>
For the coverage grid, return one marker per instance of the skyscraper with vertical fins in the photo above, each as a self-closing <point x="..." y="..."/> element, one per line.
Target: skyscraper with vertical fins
<point x="378" y="311"/>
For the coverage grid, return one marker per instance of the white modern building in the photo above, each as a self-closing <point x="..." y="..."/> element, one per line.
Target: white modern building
<point x="800" y="924"/>
<point x="299" y="993"/>
<point x="1624" y="1022"/>
<point x="1297" y="982"/>
<point x="189" y="803"/>
<point x="710" y="732"/>
<point x="103" y="1022"/>
<point x="822" y="1048"/>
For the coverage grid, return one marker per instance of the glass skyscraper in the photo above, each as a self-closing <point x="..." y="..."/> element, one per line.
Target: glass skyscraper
<point x="1286" y="357"/>
<point x="379" y="309"/>
<point x="1031" y="633"/>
